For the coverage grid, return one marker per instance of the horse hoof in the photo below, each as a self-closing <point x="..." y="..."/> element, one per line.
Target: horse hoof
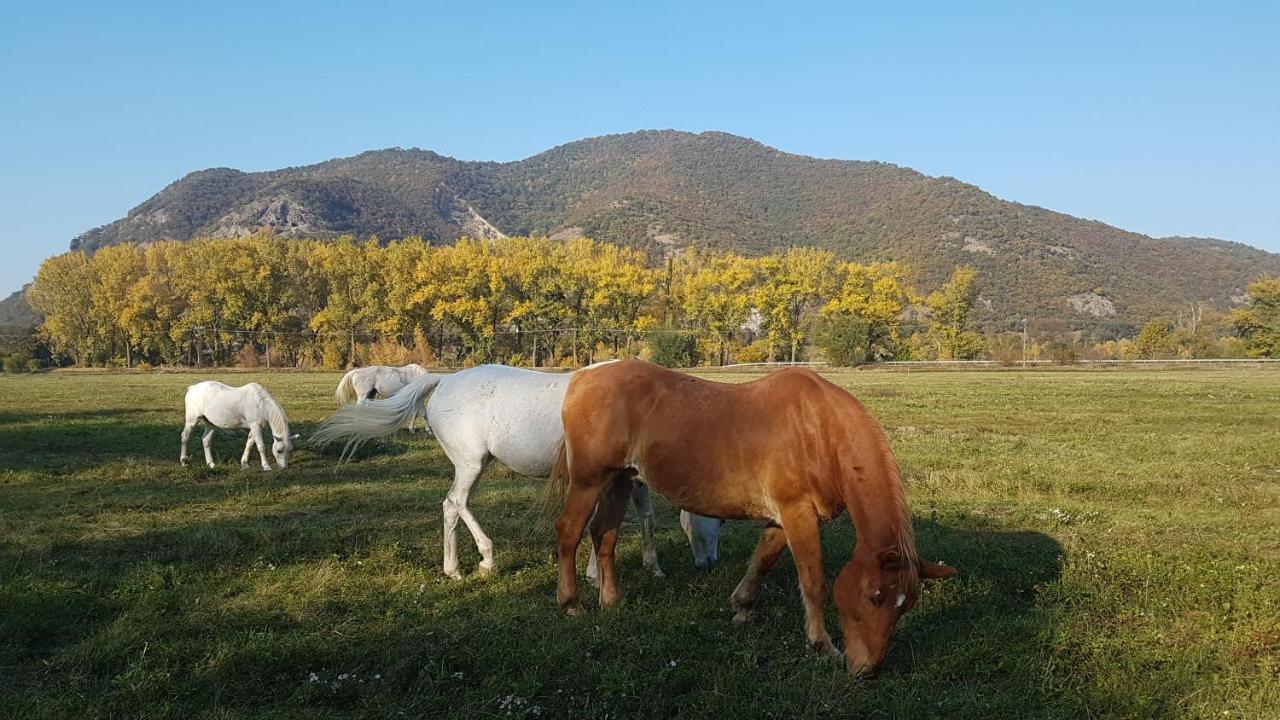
<point x="483" y="571"/>
<point x="826" y="649"/>
<point x="212" y="465"/>
<point x="741" y="615"/>
<point x="573" y="610"/>
<point x="657" y="572"/>
<point x="453" y="574"/>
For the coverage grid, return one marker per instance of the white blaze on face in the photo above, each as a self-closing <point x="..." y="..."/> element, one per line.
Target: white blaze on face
<point x="902" y="598"/>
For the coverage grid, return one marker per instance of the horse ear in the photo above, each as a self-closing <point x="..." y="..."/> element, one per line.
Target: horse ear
<point x="890" y="559"/>
<point x="935" y="571"/>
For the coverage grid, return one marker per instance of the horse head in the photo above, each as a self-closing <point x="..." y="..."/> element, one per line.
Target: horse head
<point x="872" y="593"/>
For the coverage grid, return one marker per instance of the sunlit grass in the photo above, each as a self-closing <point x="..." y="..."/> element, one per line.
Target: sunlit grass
<point x="1116" y="534"/>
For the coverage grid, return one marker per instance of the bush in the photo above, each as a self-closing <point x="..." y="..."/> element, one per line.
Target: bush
<point x="1006" y="348"/>
<point x="248" y="356"/>
<point x="1062" y="353"/>
<point x="843" y="340"/>
<point x="387" y="351"/>
<point x="14" y="364"/>
<point x="673" y="349"/>
<point x="756" y="352"/>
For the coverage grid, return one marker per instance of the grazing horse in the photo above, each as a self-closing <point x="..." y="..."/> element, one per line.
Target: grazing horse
<point x="362" y="384"/>
<point x="478" y="415"/>
<point x="249" y="406"/>
<point x="791" y="448"/>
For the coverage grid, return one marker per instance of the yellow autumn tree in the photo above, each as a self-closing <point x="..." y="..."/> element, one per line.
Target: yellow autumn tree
<point x="716" y="292"/>
<point x="794" y="286"/>
<point x="860" y="322"/>
<point x="61" y="292"/>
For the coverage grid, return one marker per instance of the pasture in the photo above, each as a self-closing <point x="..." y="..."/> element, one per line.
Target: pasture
<point x="1117" y="536"/>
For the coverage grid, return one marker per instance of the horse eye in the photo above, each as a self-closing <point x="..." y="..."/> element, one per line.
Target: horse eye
<point x="876" y="598"/>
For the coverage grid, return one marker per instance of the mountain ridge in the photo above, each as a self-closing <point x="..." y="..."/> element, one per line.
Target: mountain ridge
<point x="664" y="189"/>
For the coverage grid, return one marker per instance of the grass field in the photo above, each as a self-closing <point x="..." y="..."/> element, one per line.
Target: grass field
<point x="1117" y="535"/>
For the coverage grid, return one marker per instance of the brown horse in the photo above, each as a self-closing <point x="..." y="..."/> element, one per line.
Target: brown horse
<point x="791" y="448"/>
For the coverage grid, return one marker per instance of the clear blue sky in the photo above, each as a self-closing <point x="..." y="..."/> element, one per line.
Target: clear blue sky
<point x="1160" y="117"/>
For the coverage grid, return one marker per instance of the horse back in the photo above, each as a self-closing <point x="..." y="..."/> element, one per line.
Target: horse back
<point x="721" y="449"/>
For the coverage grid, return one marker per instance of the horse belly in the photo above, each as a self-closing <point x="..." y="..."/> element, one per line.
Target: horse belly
<point x="525" y="424"/>
<point x="526" y="442"/>
<point x="708" y="490"/>
<point x="224" y="418"/>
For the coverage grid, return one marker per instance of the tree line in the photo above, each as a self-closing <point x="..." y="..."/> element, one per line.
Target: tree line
<point x="531" y="301"/>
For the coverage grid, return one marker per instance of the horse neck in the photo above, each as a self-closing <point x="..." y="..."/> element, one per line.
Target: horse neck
<point x="878" y="507"/>
<point x="275" y="418"/>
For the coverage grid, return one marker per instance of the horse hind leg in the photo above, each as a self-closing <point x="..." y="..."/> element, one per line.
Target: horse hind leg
<point x="648" y="524"/>
<point x="455" y="507"/>
<point x="610" y="510"/>
<point x="578" y="506"/>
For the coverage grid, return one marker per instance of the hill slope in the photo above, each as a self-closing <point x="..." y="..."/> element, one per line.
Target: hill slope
<point x="662" y="189"/>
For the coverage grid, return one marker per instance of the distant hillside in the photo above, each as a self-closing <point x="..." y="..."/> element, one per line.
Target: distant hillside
<point x="666" y="189"/>
<point x="16" y="313"/>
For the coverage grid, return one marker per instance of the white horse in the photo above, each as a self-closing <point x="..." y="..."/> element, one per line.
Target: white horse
<point x="479" y="414"/>
<point x="360" y="385"/>
<point x="223" y="406"/>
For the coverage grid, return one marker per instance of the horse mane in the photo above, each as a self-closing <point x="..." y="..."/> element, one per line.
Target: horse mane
<point x="275" y="415"/>
<point x="904" y="536"/>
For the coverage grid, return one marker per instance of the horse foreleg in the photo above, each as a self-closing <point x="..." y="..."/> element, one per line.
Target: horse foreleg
<point x="610" y="511"/>
<point x="455" y="506"/>
<point x="207" y="441"/>
<point x="577" y="510"/>
<point x="801" y="527"/>
<point x="772" y="541"/>
<point x="255" y="436"/>
<point x="186" y="438"/>
<point x="248" y="444"/>
<point x="648" y="524"/>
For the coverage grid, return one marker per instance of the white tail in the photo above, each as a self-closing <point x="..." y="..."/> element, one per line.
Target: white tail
<point x="358" y="424"/>
<point x="346" y="392"/>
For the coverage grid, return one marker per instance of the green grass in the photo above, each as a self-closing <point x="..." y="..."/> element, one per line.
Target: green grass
<point x="1117" y="534"/>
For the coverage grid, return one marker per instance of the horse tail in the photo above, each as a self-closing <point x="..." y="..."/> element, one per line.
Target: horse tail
<point x="358" y="424"/>
<point x="557" y="488"/>
<point x="346" y="392"/>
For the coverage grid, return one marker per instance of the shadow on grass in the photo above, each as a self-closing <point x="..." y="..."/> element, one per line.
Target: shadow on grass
<point x="168" y="609"/>
<point x="79" y="440"/>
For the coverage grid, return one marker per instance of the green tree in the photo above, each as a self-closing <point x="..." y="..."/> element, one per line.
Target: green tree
<point x="1258" y="324"/>
<point x="949" y="310"/>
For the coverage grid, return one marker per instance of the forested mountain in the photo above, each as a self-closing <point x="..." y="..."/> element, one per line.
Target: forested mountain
<point x="16" y="312"/>
<point x="662" y="189"/>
